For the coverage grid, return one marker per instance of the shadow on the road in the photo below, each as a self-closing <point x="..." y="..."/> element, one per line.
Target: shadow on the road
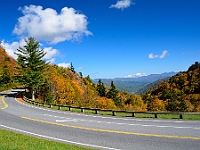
<point x="9" y="94"/>
<point x="12" y="93"/>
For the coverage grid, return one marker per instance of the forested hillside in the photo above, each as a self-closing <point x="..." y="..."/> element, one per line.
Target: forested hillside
<point x="179" y="93"/>
<point x="7" y="70"/>
<point x="150" y="86"/>
<point x="58" y="84"/>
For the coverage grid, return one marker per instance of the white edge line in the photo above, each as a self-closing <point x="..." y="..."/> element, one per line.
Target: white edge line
<point x="93" y="115"/>
<point x="57" y="139"/>
<point x="28" y="105"/>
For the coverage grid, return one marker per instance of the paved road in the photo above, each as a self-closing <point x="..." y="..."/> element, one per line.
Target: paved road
<point x="96" y="131"/>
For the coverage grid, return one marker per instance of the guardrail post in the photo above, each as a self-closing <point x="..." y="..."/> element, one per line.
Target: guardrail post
<point x="59" y="107"/>
<point x="156" y="116"/>
<point x="181" y="116"/>
<point x="82" y="110"/>
<point x="133" y="114"/>
<point x="69" y="108"/>
<point x="96" y="111"/>
<point x="113" y="113"/>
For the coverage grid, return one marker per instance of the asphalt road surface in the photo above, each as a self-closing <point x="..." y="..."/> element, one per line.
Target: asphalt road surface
<point x="95" y="131"/>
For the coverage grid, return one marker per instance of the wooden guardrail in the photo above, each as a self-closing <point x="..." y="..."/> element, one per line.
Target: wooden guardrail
<point x="113" y="112"/>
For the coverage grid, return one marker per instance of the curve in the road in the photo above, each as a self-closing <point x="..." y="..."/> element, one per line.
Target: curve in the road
<point x="5" y="105"/>
<point x="113" y="133"/>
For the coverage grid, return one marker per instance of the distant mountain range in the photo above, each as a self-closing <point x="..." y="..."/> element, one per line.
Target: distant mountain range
<point x="133" y="85"/>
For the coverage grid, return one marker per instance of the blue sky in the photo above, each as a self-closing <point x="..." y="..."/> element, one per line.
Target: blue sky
<point x="107" y="38"/>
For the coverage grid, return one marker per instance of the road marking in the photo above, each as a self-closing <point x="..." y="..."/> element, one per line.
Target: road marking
<point x="113" y="131"/>
<point x="5" y="104"/>
<point x="57" y="139"/>
<point x="65" y="119"/>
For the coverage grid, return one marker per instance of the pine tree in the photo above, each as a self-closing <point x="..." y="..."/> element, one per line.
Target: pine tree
<point x="32" y="67"/>
<point x="72" y="68"/>
<point x="112" y="93"/>
<point x="101" y="89"/>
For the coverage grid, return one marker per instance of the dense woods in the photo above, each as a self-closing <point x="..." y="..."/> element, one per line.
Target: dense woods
<point x="7" y="70"/>
<point x="178" y="93"/>
<point x="53" y="84"/>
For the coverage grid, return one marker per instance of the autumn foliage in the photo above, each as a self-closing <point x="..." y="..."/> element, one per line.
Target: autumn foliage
<point x="69" y="88"/>
<point x="7" y="70"/>
<point x="179" y="93"/>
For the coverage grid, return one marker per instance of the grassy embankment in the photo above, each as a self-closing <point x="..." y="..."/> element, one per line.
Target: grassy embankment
<point x="14" y="141"/>
<point x="121" y="114"/>
<point x="137" y="115"/>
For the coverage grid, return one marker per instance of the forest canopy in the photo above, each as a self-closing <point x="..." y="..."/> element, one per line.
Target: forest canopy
<point x="178" y="93"/>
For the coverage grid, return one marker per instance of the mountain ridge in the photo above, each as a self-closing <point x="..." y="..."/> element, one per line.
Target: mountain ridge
<point x="132" y="85"/>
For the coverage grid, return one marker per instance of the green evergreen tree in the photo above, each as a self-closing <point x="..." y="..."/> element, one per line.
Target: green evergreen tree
<point x="88" y="79"/>
<point x="112" y="93"/>
<point x="81" y="74"/>
<point x="72" y="68"/>
<point x="101" y="89"/>
<point x="32" y="66"/>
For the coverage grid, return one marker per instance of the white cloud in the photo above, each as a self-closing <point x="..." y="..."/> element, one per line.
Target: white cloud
<point x="48" y="25"/>
<point x="66" y="65"/>
<point x="135" y="75"/>
<point x="121" y="4"/>
<point x="11" y="48"/>
<point x="51" y="61"/>
<point x="140" y="74"/>
<point x="50" y="52"/>
<point x="164" y="53"/>
<point x="129" y="76"/>
<point x="80" y="68"/>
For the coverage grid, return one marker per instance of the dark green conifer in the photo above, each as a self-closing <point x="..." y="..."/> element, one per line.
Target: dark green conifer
<point x="72" y="68"/>
<point x="32" y="67"/>
<point x="101" y="89"/>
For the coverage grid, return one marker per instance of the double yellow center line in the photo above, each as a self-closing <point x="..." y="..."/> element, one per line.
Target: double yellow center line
<point x="5" y="105"/>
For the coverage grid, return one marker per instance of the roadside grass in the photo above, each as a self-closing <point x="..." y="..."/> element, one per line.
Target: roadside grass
<point x="14" y="141"/>
<point x="137" y="115"/>
<point x="169" y="116"/>
<point x="191" y="117"/>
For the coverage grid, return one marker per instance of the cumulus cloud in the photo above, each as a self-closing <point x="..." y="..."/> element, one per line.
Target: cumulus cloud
<point x="11" y="48"/>
<point x="135" y="75"/>
<point x="164" y="53"/>
<point x="66" y="65"/>
<point x="50" y="52"/>
<point x="121" y="4"/>
<point x="48" y="25"/>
